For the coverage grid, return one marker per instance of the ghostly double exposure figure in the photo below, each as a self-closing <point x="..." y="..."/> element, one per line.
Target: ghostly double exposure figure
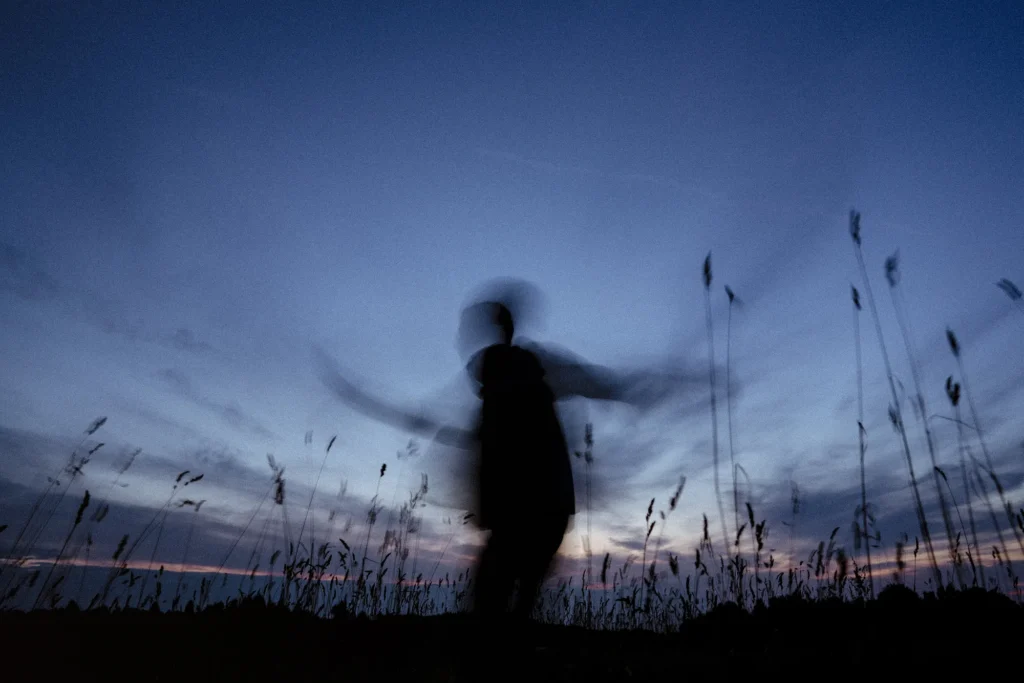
<point x="521" y="473"/>
<point x="525" y="486"/>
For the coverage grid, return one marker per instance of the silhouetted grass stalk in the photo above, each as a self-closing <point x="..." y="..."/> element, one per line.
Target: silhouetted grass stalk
<point x="119" y="568"/>
<point x="276" y="487"/>
<point x="371" y="519"/>
<point x="954" y="346"/>
<point x="895" y="412"/>
<point x="953" y="392"/>
<point x="309" y="506"/>
<point x="74" y="470"/>
<point x="78" y="520"/>
<point x="588" y="457"/>
<point x="714" y="404"/>
<point x="863" y="532"/>
<point x="85" y="567"/>
<point x="728" y="408"/>
<point x="892" y="275"/>
<point x="152" y="558"/>
<point x="963" y="532"/>
<point x="183" y="483"/>
<point x="184" y="555"/>
<point x="983" y="491"/>
<point x="1012" y="291"/>
<point x="18" y="551"/>
<point x="252" y="564"/>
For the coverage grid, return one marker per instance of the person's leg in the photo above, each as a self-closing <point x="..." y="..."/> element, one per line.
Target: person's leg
<point x="488" y="641"/>
<point x="537" y="552"/>
<point x="494" y="578"/>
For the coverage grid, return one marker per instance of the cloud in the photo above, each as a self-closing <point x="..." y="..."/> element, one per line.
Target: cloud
<point x="19" y="445"/>
<point x="24" y="275"/>
<point x="178" y="380"/>
<point x="230" y="413"/>
<point x="184" y="339"/>
<point x="635" y="545"/>
<point x="223" y="467"/>
<point x="30" y="456"/>
<point x="128" y="406"/>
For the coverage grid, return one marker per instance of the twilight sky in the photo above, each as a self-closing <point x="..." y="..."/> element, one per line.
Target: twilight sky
<point x="194" y="196"/>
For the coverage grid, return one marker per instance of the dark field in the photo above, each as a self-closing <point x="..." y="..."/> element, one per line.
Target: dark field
<point x="899" y="632"/>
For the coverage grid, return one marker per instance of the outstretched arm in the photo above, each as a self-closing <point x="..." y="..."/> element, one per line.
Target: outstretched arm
<point x="569" y="375"/>
<point x="377" y="409"/>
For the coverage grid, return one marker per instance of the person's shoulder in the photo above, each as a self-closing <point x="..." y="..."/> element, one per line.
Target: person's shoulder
<point x="527" y="358"/>
<point x="482" y="359"/>
<point x="475" y="364"/>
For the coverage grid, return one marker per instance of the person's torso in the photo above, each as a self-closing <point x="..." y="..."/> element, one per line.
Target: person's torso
<point x="524" y="456"/>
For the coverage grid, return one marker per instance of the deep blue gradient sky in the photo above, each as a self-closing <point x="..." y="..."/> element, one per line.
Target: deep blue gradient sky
<point x="193" y="195"/>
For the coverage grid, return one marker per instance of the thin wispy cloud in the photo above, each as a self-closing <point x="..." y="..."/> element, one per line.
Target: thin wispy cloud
<point x="231" y="413"/>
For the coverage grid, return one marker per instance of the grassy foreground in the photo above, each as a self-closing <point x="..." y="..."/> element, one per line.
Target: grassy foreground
<point x="897" y="632"/>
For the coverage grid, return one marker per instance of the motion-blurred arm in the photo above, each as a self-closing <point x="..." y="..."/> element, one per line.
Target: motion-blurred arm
<point x="569" y="375"/>
<point x="377" y="409"/>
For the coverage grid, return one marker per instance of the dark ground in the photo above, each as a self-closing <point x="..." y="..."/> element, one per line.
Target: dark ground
<point x="898" y="633"/>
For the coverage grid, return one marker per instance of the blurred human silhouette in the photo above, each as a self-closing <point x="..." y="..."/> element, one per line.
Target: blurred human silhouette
<point x="522" y="481"/>
<point x="525" y="485"/>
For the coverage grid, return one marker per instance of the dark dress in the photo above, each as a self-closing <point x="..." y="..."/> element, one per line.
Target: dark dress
<point x="525" y="485"/>
<point x="525" y="470"/>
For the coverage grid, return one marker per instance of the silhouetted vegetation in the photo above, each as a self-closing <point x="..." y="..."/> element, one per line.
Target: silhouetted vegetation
<point x="317" y="596"/>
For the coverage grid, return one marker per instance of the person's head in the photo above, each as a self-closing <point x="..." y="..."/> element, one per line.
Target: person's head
<point x="503" y="319"/>
<point x="496" y="311"/>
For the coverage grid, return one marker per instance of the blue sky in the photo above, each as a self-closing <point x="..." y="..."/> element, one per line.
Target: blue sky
<point x="194" y="196"/>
